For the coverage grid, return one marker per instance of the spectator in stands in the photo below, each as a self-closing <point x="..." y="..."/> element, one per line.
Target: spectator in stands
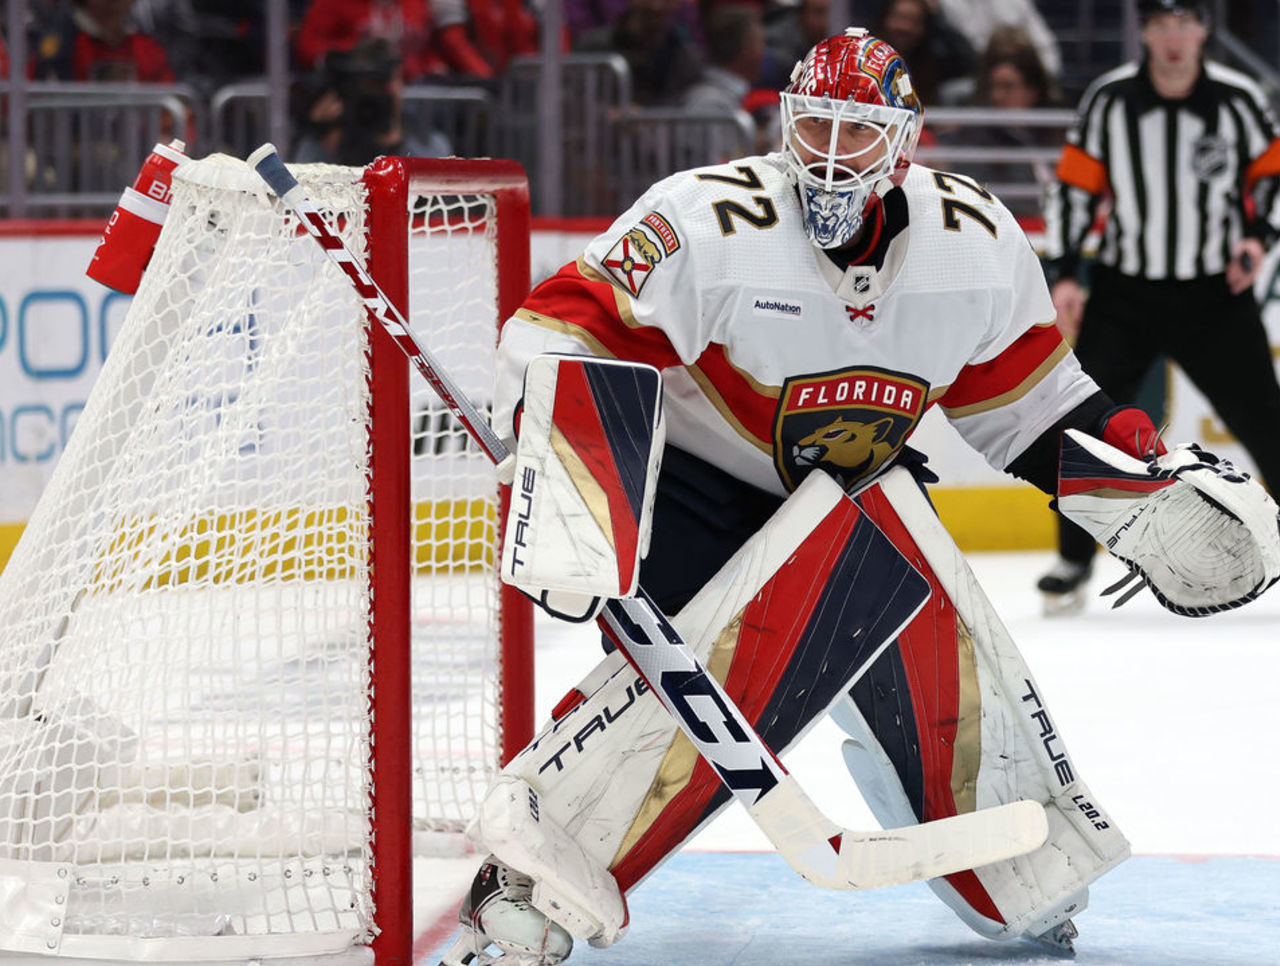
<point x="211" y="43"/>
<point x="499" y="29"/>
<point x="583" y="16"/>
<point x="94" y="41"/>
<point x="736" y="50"/>
<point x="1011" y="77"/>
<point x="938" y="53"/>
<point x="429" y="35"/>
<point x="355" y="116"/>
<point x="735" y="47"/>
<point x="790" y="30"/>
<point x="978" y="20"/>
<point x="661" y="53"/>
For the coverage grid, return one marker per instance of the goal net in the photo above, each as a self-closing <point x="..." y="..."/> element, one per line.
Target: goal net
<point x="251" y="642"/>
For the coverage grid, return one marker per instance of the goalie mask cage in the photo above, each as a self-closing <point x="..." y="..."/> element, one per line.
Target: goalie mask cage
<point x="253" y="647"/>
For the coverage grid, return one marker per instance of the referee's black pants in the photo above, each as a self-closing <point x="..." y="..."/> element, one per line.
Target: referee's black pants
<point x="1218" y="340"/>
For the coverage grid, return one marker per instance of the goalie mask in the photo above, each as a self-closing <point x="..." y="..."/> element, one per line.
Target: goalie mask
<point x="850" y="123"/>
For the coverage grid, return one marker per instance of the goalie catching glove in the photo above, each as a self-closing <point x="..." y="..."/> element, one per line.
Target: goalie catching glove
<point x="1202" y="535"/>
<point x="591" y="436"/>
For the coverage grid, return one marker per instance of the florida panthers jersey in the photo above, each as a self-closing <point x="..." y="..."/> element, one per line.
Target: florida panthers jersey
<point x="775" y="360"/>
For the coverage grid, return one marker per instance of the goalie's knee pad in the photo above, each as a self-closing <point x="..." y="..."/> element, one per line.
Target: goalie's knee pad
<point x="949" y="720"/>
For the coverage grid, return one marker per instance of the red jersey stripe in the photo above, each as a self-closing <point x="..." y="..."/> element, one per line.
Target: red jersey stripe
<point x="598" y="312"/>
<point x="1009" y="376"/>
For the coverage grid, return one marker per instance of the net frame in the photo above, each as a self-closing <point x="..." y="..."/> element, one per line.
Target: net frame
<point x="390" y="185"/>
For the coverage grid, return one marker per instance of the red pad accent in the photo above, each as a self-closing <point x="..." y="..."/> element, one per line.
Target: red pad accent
<point x="930" y="653"/>
<point x="567" y="704"/>
<point x="1131" y="431"/>
<point x="576" y="415"/>
<point x="1072" y="487"/>
<point x="769" y="636"/>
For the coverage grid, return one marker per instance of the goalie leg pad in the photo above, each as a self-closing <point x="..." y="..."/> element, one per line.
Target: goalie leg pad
<point x="591" y="437"/>
<point x="1203" y="536"/>
<point x="949" y="720"/>
<point x="612" y="769"/>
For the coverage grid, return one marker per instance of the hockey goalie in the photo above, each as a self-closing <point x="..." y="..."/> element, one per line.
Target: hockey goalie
<point x="713" y="403"/>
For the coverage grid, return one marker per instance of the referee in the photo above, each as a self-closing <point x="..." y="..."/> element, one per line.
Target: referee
<point x="1185" y="153"/>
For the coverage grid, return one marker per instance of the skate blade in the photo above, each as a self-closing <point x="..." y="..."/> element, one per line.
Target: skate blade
<point x="1063" y="605"/>
<point x="1058" y="941"/>
<point x="467" y="949"/>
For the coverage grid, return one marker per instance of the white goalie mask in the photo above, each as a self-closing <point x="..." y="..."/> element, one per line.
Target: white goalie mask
<point x="850" y="123"/>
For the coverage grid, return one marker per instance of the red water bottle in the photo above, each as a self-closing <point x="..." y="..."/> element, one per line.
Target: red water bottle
<point x="132" y="230"/>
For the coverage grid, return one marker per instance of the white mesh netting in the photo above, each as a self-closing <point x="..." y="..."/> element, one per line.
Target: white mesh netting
<point x="452" y="249"/>
<point x="184" y="732"/>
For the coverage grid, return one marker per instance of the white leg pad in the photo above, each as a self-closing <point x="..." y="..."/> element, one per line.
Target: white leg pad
<point x="1015" y="746"/>
<point x="570" y="887"/>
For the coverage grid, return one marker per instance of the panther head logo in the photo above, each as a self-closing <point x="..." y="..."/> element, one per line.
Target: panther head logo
<point x="845" y="448"/>
<point x="643" y="246"/>
<point x="848" y="423"/>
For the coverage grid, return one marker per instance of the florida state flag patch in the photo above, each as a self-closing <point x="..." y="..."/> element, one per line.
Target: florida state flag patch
<point x="847" y="423"/>
<point x="637" y="253"/>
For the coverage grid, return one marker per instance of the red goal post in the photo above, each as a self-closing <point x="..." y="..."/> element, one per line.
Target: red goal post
<point x="393" y="184"/>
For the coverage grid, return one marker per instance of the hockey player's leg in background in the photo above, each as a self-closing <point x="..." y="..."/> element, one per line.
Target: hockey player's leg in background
<point x="610" y="788"/>
<point x="949" y="719"/>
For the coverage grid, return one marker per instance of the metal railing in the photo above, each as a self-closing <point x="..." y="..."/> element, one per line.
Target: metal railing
<point x="595" y="89"/>
<point x="655" y="142"/>
<point x="240" y="117"/>
<point x="85" y="142"/>
<point x="1012" y="153"/>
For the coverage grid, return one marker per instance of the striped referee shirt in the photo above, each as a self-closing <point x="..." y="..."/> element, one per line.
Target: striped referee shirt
<point x="1185" y="179"/>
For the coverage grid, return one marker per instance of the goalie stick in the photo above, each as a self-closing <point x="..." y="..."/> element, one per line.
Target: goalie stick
<point x="814" y="846"/>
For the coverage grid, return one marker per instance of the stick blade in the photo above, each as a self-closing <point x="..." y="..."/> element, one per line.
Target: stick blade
<point x="872" y="860"/>
<point x="840" y="858"/>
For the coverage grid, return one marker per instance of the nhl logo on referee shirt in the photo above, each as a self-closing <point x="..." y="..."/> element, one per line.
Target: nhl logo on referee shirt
<point x="1209" y="157"/>
<point x="636" y="254"/>
<point x="847" y="422"/>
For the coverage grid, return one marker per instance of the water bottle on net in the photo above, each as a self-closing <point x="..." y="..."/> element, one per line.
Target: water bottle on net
<point x="132" y="230"/>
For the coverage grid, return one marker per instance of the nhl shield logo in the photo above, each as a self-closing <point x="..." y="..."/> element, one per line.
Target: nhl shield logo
<point x="1210" y="156"/>
<point x="847" y="423"/>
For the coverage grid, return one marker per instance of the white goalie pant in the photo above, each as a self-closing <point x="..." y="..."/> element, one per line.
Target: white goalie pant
<point x="611" y="784"/>
<point x="1005" y="744"/>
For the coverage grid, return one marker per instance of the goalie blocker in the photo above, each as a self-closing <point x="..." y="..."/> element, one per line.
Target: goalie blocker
<point x="591" y="436"/>
<point x="959" y="727"/>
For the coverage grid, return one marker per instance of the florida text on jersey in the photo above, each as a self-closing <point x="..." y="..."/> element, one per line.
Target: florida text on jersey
<point x="775" y="360"/>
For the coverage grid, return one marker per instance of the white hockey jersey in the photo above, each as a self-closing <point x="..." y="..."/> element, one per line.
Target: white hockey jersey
<point x="775" y="360"/>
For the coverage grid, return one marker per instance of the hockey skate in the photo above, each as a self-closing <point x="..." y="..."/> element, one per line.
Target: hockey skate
<point x="1058" y="940"/>
<point x="497" y="910"/>
<point x="1063" y="587"/>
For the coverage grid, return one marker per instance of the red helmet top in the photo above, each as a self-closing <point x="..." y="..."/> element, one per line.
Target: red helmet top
<point x="858" y="67"/>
